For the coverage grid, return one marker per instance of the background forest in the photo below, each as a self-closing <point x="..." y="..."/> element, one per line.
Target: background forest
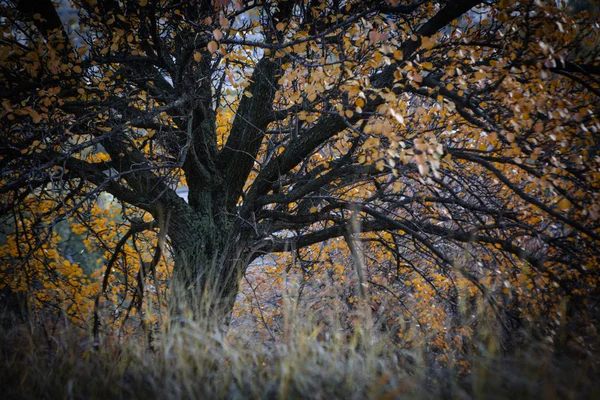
<point x="290" y="199"/>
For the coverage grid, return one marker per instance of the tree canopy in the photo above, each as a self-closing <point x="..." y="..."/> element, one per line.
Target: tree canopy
<point x="435" y="148"/>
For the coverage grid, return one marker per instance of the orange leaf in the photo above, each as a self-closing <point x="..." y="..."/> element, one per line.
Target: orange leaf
<point x="212" y="46"/>
<point x="564" y="204"/>
<point x="218" y="34"/>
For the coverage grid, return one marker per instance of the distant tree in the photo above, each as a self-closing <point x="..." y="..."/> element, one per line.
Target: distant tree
<point x="448" y="130"/>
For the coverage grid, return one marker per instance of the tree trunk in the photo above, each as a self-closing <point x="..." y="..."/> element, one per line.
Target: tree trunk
<point x="208" y="266"/>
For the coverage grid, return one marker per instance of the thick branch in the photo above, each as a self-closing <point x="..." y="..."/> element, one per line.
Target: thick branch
<point x="248" y="129"/>
<point x="48" y="23"/>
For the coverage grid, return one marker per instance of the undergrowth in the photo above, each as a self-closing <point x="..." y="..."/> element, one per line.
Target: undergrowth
<point x="194" y="361"/>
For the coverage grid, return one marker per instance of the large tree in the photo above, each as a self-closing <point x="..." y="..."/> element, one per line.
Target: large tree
<point x="450" y="126"/>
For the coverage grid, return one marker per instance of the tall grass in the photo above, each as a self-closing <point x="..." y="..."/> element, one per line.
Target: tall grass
<point x="308" y="360"/>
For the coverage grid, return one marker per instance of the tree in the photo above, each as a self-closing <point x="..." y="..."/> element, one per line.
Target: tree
<point x="434" y="129"/>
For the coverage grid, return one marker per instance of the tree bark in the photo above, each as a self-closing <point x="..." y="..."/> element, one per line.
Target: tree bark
<point x="209" y="262"/>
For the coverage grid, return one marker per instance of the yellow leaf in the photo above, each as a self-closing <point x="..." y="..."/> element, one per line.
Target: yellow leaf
<point x="197" y="56"/>
<point x="143" y="3"/>
<point x="427" y="43"/>
<point x="378" y="127"/>
<point x="564" y="204"/>
<point x="77" y="69"/>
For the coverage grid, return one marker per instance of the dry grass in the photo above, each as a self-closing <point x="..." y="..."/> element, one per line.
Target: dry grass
<point x="193" y="361"/>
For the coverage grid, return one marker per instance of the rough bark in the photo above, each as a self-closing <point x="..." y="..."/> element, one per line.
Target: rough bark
<point x="208" y="263"/>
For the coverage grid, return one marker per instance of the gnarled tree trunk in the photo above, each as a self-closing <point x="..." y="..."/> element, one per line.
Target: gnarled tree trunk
<point x="209" y="262"/>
